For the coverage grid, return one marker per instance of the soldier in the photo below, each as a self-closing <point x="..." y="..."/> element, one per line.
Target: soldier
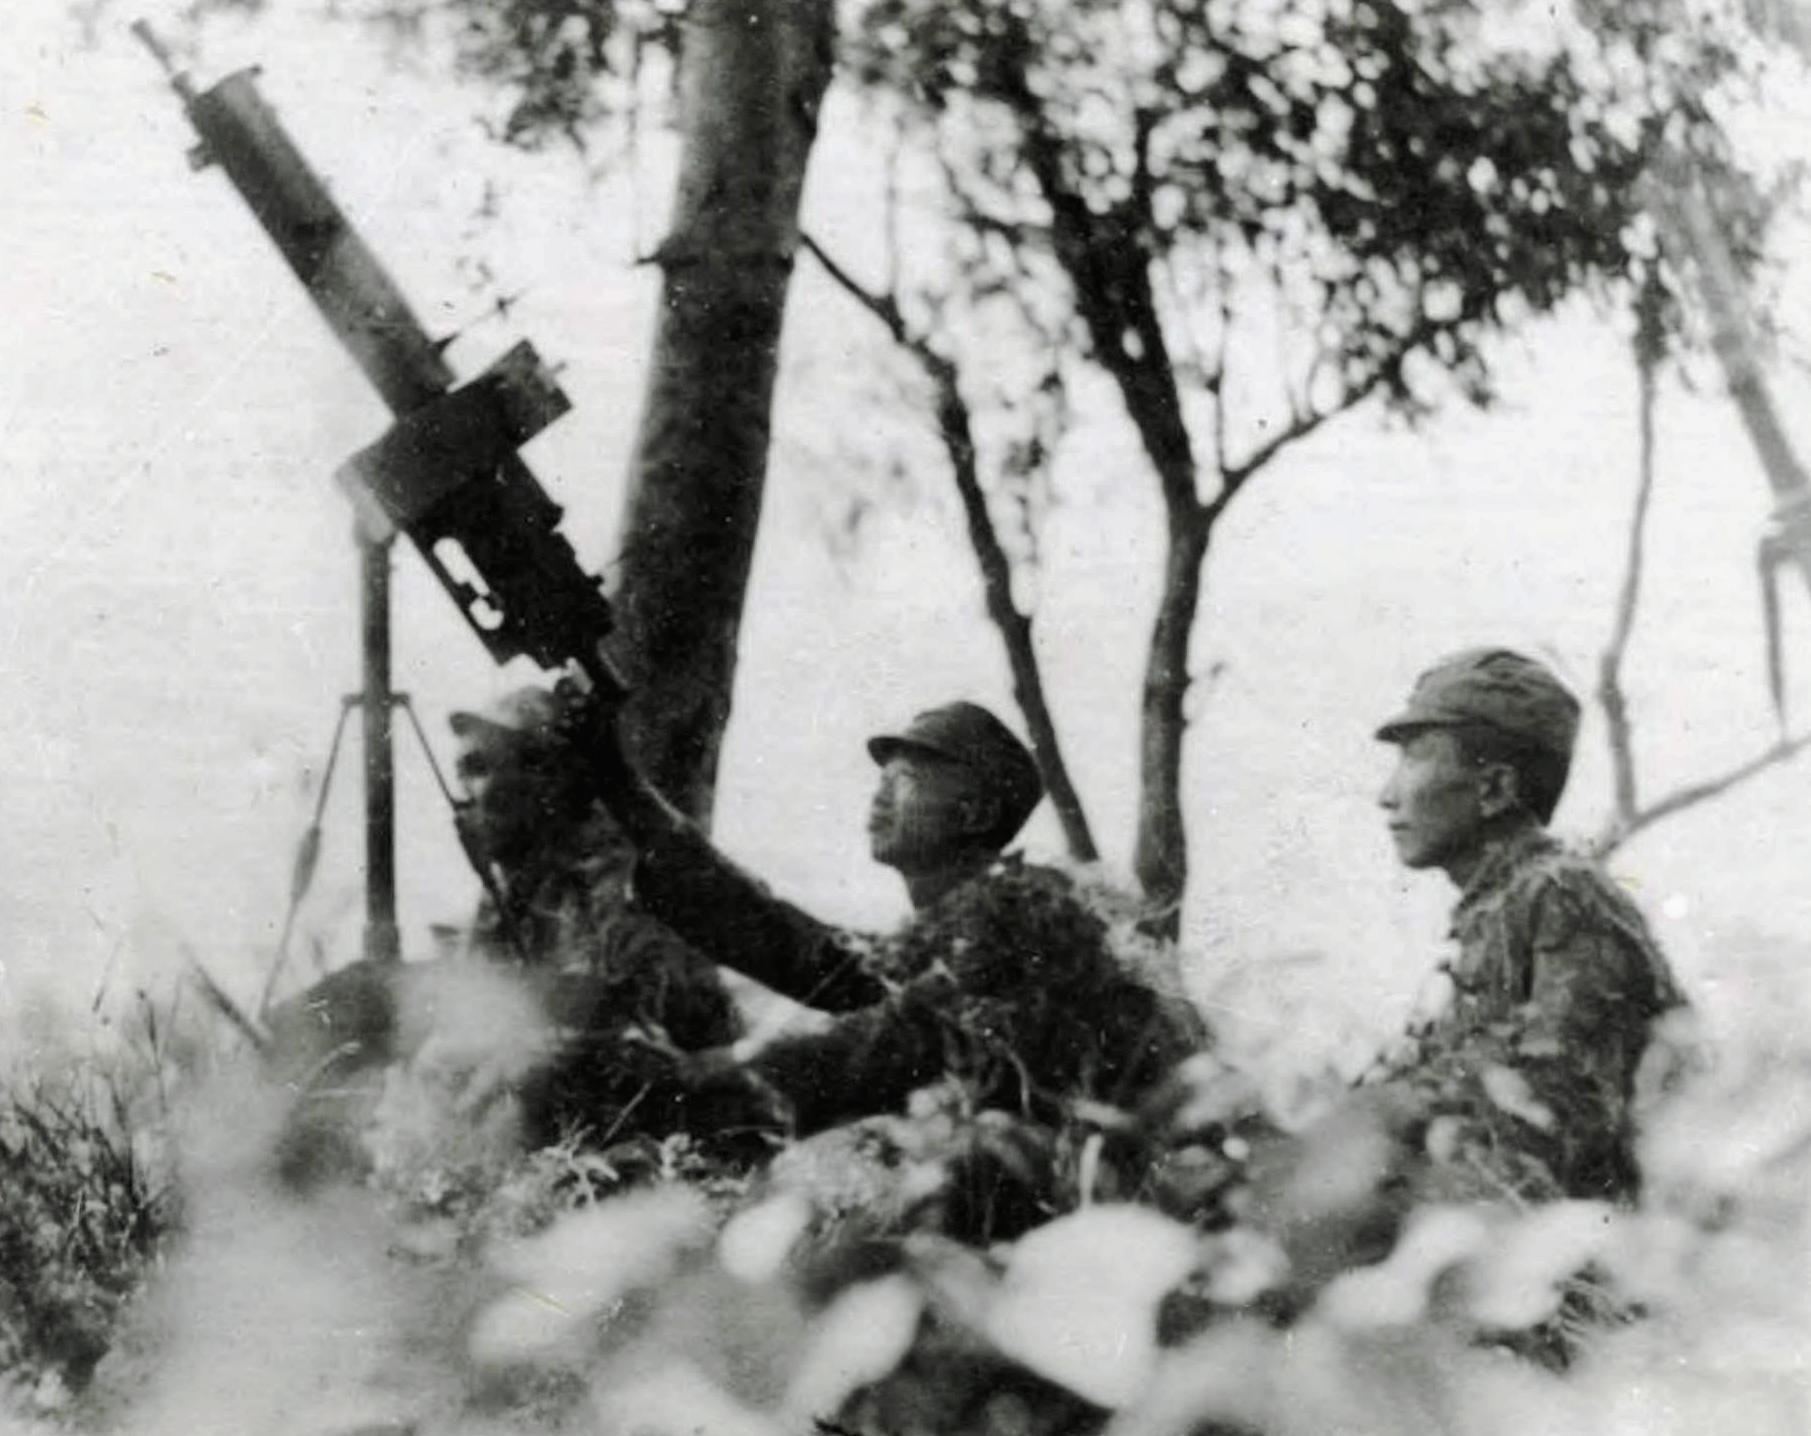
<point x="1556" y="981"/>
<point x="1002" y="978"/>
<point x="557" y="906"/>
<point x="592" y="974"/>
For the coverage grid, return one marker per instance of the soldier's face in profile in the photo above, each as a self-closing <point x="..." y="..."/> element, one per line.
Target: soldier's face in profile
<point x="925" y="811"/>
<point x="1434" y="801"/>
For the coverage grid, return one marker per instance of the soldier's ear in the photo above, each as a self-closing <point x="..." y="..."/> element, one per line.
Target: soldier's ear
<point x="1499" y="789"/>
<point x="981" y="812"/>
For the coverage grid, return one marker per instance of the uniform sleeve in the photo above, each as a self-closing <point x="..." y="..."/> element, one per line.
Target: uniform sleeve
<point x="639" y="970"/>
<point x="866" y="1062"/>
<point x="1585" y="1028"/>
<point x="1014" y="992"/>
<point x="734" y="920"/>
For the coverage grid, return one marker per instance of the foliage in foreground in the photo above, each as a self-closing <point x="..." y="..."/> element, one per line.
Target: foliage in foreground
<point x="1247" y="1279"/>
<point x="1215" y="1263"/>
<point x="83" y="1210"/>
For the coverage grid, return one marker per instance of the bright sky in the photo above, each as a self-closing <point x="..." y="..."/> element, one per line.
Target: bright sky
<point x="180" y="620"/>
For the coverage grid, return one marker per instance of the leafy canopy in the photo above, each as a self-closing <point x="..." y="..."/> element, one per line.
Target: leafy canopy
<point x="1354" y="180"/>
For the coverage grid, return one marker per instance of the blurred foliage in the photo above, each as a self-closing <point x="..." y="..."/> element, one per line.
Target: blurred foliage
<point x="564" y="70"/>
<point x="1308" y="1284"/>
<point x="1364" y="180"/>
<point x="1233" y="1256"/>
<point x="1240" y="1254"/>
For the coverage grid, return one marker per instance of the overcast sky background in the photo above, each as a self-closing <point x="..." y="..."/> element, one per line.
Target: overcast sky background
<point x="180" y="613"/>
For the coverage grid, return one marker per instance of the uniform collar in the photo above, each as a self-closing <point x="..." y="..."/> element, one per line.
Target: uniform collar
<point x="1503" y="857"/>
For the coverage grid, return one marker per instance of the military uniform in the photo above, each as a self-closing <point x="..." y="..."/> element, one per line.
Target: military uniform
<point x="559" y="917"/>
<point x="1006" y="982"/>
<point x="1553" y="993"/>
<point x="601" y="970"/>
<point x="568" y="921"/>
<point x="1556" y="982"/>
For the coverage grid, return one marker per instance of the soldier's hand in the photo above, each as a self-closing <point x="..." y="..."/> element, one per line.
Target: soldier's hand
<point x="711" y="1065"/>
<point x="589" y="726"/>
<point x="698" y="1068"/>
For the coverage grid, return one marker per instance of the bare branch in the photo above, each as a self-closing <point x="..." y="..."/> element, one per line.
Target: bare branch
<point x="881" y="306"/>
<point x="1619" y="725"/>
<point x="1305" y="423"/>
<point x="1223" y="299"/>
<point x="955" y="427"/>
<point x="895" y="163"/>
<point x="1619" y="831"/>
<point x="1235" y="476"/>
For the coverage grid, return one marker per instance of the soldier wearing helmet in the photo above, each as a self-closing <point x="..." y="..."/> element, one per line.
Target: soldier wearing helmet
<point x="1556" y="981"/>
<point x="1002" y="978"/>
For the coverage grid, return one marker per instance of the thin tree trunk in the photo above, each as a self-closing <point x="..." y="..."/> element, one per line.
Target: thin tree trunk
<point x="1109" y="273"/>
<point x="1689" y="224"/>
<point x="1685" y="213"/>
<point x="1650" y="341"/>
<point x="752" y="76"/>
<point x="1014" y="626"/>
<point x="957" y="432"/>
<point x="1161" y="856"/>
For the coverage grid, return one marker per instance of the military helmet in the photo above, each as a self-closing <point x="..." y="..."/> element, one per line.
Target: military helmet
<point x="1494" y="688"/>
<point x="968" y="734"/>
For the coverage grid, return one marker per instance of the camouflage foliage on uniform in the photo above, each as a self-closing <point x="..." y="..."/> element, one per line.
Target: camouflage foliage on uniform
<point x="1532" y="1064"/>
<point x="609" y="975"/>
<point x="1008" y="984"/>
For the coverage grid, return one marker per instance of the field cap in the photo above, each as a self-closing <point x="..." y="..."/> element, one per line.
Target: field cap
<point x="1492" y="688"/>
<point x="527" y="715"/>
<point x="968" y="734"/>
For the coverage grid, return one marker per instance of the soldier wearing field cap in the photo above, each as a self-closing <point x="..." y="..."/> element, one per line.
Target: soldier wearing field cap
<point x="1555" y="981"/>
<point x="557" y="908"/>
<point x="1002" y="978"/>
<point x="556" y="915"/>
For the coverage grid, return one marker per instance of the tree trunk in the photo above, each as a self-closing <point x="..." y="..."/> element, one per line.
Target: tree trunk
<point x="752" y="76"/>
<point x="1109" y="273"/>
<point x="1650" y="350"/>
<point x="1161" y="857"/>
<point x="1687" y="214"/>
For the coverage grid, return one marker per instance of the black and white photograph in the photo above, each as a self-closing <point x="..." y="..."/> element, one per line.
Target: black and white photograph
<point x="905" y="718"/>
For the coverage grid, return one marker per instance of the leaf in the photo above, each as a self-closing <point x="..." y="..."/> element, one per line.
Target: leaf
<point x="570" y="1274"/>
<point x="757" y="1240"/>
<point x="1519" y="1279"/>
<point x="1396" y="1292"/>
<point x="1510" y="1092"/>
<point x="1080" y="1298"/>
<point x="858" y="1340"/>
<point x="677" y="1398"/>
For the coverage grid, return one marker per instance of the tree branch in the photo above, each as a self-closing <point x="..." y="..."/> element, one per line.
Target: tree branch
<point x="1619" y="725"/>
<point x="882" y="306"/>
<point x="1223" y="342"/>
<point x="955" y="427"/>
<point x="1235" y="476"/>
<point x="1618" y="831"/>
